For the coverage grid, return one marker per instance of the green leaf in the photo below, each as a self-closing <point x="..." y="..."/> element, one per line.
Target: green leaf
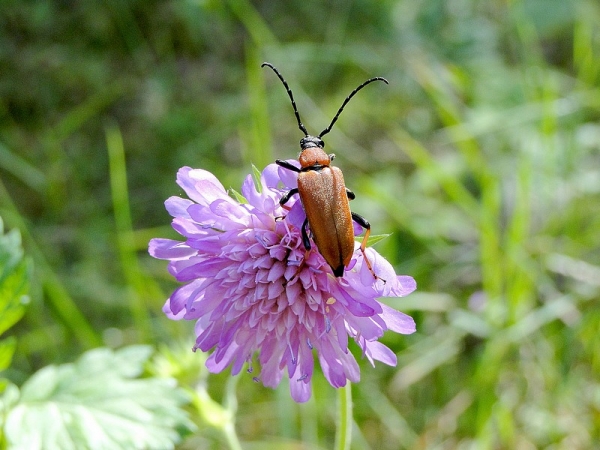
<point x="237" y="196"/>
<point x="14" y="286"/>
<point x="256" y="176"/>
<point x="7" y="350"/>
<point x="98" y="403"/>
<point x="373" y="239"/>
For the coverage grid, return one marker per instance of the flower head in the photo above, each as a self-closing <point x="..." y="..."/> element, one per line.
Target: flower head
<point x="251" y="286"/>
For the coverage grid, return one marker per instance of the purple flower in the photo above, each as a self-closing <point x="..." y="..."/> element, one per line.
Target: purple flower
<point x="247" y="291"/>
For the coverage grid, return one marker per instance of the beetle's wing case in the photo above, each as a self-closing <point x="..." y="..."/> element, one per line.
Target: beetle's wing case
<point x="324" y="197"/>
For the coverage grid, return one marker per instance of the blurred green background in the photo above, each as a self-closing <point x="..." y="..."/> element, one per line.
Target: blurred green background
<point x="481" y="158"/>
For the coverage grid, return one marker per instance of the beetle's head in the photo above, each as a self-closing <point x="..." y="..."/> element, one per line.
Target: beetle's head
<point x="312" y="154"/>
<point x="311" y="142"/>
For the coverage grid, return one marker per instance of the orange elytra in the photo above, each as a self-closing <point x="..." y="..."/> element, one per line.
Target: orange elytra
<point x="324" y="195"/>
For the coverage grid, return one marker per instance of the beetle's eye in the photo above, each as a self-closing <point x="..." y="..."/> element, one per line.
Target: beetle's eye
<point x="321" y="143"/>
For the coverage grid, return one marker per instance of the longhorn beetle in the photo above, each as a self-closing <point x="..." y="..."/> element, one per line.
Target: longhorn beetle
<point x="324" y="195"/>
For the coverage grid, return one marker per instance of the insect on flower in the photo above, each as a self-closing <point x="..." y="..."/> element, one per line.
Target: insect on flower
<point x="259" y="298"/>
<point x="324" y="195"/>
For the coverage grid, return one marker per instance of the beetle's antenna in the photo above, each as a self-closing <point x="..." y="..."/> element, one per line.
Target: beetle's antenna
<point x="289" y="91"/>
<point x="328" y="129"/>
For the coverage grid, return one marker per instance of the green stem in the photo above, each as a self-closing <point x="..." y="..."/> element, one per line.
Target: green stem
<point x="231" y="436"/>
<point x="221" y="417"/>
<point x="122" y="214"/>
<point x="230" y="404"/>
<point x="344" y="430"/>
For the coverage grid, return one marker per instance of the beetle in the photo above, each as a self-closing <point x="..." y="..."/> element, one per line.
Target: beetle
<point x="324" y="194"/>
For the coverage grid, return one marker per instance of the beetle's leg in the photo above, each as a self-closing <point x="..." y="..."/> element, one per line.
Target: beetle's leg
<point x="351" y="196"/>
<point x="286" y="197"/>
<point x="287" y="165"/>
<point x="366" y="225"/>
<point x="305" y="239"/>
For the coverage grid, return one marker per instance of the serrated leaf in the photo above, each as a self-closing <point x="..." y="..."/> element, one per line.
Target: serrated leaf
<point x="96" y="403"/>
<point x="11" y="251"/>
<point x="7" y="350"/>
<point x="13" y="296"/>
<point x="10" y="396"/>
<point x="14" y="286"/>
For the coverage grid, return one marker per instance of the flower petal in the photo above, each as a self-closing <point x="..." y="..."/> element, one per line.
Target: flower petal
<point x="398" y="321"/>
<point x="377" y="351"/>
<point x="201" y="186"/>
<point x="169" y="249"/>
<point x="251" y="286"/>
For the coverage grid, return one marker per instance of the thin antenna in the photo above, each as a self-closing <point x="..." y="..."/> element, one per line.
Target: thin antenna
<point x="328" y="129"/>
<point x="289" y="91"/>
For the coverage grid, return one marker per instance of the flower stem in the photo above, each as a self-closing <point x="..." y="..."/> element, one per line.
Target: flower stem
<point x="344" y="430"/>
<point x="231" y="437"/>
<point x="230" y="403"/>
